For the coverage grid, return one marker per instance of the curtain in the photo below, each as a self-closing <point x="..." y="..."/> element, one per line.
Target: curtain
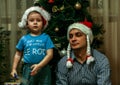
<point x="107" y="12"/>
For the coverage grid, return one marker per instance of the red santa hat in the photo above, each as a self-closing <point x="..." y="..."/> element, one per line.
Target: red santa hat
<point x="45" y="15"/>
<point x="86" y="28"/>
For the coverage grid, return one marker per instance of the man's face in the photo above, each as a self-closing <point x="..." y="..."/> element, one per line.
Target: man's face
<point x="77" y="39"/>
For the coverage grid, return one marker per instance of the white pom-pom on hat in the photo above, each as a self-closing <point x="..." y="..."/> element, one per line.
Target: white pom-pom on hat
<point x="69" y="64"/>
<point x="89" y="59"/>
<point x="22" y="24"/>
<point x="46" y="16"/>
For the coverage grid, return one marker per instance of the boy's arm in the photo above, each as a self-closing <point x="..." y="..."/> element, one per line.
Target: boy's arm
<point x="47" y="58"/>
<point x="16" y="60"/>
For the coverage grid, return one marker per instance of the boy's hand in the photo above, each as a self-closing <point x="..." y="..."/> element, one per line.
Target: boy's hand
<point x="14" y="73"/>
<point x="35" y="69"/>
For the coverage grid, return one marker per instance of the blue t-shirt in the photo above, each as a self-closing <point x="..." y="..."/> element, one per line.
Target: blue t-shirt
<point x="34" y="47"/>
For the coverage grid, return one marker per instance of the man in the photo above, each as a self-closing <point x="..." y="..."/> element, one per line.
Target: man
<point x="83" y="65"/>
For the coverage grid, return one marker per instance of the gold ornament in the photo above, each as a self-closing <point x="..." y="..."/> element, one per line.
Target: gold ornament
<point x="56" y="39"/>
<point x="56" y="29"/>
<point x="61" y="8"/>
<point x="77" y="6"/>
<point x="54" y="9"/>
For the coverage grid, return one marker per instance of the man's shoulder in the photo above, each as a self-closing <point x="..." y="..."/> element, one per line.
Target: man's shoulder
<point x="98" y="53"/>
<point x="62" y="65"/>
<point x="63" y="59"/>
<point x="99" y="56"/>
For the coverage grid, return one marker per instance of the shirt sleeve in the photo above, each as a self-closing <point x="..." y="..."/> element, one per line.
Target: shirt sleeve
<point x="20" y="44"/>
<point x="103" y="77"/>
<point x="49" y="43"/>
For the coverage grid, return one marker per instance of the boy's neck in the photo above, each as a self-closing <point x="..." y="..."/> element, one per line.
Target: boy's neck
<point x="35" y="34"/>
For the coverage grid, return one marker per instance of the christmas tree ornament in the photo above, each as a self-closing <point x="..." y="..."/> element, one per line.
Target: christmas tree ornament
<point x="54" y="8"/>
<point x="56" y="39"/>
<point x="63" y="52"/>
<point x="77" y="6"/>
<point x="50" y="1"/>
<point x="56" y="29"/>
<point x="62" y="8"/>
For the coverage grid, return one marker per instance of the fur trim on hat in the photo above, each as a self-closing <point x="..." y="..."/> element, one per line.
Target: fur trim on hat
<point x="46" y="16"/>
<point x="81" y="27"/>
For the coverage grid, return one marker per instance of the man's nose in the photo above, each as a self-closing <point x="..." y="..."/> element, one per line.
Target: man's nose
<point x="73" y="37"/>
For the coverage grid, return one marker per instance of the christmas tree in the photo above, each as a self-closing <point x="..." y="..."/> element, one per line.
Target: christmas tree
<point x="65" y="12"/>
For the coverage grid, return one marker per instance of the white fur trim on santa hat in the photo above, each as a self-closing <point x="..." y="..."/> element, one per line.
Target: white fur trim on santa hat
<point x="81" y="27"/>
<point x="38" y="9"/>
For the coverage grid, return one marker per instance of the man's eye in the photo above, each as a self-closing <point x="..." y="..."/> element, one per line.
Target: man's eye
<point x="78" y="34"/>
<point x="70" y="36"/>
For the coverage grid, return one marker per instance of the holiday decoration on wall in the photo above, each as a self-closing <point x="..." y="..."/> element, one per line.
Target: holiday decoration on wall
<point x="65" y="12"/>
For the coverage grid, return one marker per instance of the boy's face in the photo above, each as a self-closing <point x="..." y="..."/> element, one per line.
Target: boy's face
<point x="35" y="22"/>
<point x="77" y="39"/>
